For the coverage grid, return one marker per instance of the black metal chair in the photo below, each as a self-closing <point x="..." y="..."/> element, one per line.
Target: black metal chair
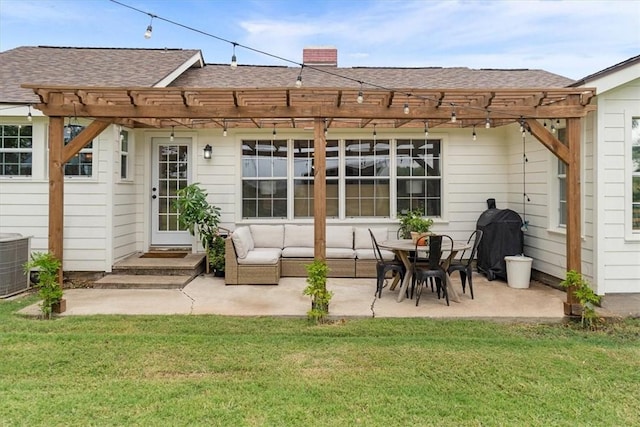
<point x="432" y="269"/>
<point x="465" y="267"/>
<point x="384" y="266"/>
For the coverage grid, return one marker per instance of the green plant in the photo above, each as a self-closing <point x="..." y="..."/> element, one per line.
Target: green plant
<point x="196" y="215"/>
<point x="48" y="285"/>
<point x="574" y="282"/>
<point x="216" y="253"/>
<point x="413" y="220"/>
<point x="317" y="289"/>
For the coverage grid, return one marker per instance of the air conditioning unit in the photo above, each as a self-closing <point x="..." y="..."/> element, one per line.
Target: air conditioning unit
<point x="14" y="253"/>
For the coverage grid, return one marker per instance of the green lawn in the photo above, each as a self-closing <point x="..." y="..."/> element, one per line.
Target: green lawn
<point x="211" y="370"/>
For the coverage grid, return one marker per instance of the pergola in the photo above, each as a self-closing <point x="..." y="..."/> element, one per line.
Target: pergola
<point x="319" y="108"/>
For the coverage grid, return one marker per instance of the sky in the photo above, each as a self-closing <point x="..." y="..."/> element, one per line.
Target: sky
<point x="571" y="38"/>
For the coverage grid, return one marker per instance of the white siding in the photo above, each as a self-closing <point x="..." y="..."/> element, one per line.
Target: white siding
<point x="618" y="265"/>
<point x="24" y="204"/>
<point x="128" y="207"/>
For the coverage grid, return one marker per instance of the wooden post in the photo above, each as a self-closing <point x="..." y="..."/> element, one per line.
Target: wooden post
<point x="319" y="192"/>
<point x="56" y="190"/>
<point x="574" y="236"/>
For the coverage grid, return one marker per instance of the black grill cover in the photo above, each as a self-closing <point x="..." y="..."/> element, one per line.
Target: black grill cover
<point x="502" y="236"/>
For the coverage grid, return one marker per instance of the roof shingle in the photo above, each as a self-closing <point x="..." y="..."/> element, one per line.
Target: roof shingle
<point x="84" y="67"/>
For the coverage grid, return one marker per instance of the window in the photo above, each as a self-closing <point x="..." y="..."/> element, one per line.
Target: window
<point x="562" y="194"/>
<point x="303" y="172"/>
<point x="124" y="154"/>
<point x="360" y="179"/>
<point x="562" y="184"/>
<point x="16" y="146"/>
<point x="367" y="180"/>
<point x="264" y="179"/>
<point x="419" y="172"/>
<point x="635" y="173"/>
<point x="82" y="163"/>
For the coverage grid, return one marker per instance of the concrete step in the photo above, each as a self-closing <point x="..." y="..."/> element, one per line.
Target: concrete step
<point x="142" y="281"/>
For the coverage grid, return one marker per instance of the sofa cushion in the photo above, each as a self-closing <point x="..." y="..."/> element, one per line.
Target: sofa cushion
<point x="331" y="253"/>
<point x="363" y="238"/>
<point x="298" y="236"/>
<point x="369" y="254"/>
<point x="242" y="241"/>
<point x="267" y="236"/>
<point x="261" y="256"/>
<point x="339" y="236"/>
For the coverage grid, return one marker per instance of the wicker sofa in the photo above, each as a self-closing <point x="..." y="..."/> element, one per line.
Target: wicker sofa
<point x="261" y="254"/>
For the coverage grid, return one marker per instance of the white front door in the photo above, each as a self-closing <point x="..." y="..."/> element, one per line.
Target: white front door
<point x="171" y="171"/>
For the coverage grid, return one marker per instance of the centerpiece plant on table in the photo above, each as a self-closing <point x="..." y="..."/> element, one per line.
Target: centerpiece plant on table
<point x="413" y="224"/>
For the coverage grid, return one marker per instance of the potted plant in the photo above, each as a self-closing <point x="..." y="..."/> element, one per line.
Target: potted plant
<point x="46" y="281"/>
<point x="575" y="284"/>
<point x="197" y="216"/>
<point x="414" y="225"/>
<point x="317" y="289"/>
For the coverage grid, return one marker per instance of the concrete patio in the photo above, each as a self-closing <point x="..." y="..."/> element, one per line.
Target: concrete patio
<point x="352" y="298"/>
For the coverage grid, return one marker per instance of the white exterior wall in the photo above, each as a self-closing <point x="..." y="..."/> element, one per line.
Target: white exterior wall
<point x="473" y="171"/>
<point x="128" y="207"/>
<point x="90" y="206"/>
<point x="545" y="241"/>
<point x="619" y="247"/>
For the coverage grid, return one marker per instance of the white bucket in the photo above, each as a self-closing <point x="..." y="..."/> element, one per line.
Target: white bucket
<point x="518" y="271"/>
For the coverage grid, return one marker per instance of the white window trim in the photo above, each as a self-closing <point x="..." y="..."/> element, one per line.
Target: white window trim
<point x="341" y="137"/>
<point x="33" y="151"/>
<point x="130" y="155"/>
<point x="631" y="235"/>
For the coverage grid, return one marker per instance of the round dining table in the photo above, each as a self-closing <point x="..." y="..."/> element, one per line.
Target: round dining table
<point x="402" y="248"/>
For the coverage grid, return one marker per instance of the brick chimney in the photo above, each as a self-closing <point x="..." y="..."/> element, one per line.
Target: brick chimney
<point x="320" y="56"/>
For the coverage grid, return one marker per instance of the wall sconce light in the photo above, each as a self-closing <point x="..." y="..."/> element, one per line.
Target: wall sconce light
<point x="207" y="151"/>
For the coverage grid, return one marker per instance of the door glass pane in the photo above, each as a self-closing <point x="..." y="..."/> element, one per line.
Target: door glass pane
<point x="172" y="176"/>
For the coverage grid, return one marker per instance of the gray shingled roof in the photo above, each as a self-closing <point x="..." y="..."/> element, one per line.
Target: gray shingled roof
<point x="84" y="67"/>
<point x="248" y="76"/>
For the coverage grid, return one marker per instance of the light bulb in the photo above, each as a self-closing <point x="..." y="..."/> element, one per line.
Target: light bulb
<point x="453" y="117"/>
<point x="426" y="129"/>
<point x="406" y="108"/>
<point x="234" y="61"/>
<point x="487" y="123"/>
<point x="147" y="34"/>
<point x="474" y="136"/>
<point x="299" y="81"/>
<point x="29" y="116"/>
<point x="224" y="132"/>
<point x="172" y="136"/>
<point x="360" y="97"/>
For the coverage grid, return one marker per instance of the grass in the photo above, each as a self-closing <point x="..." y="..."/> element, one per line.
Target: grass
<point x="212" y="370"/>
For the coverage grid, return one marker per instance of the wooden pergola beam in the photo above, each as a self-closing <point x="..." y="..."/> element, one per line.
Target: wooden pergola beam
<point x="319" y="191"/>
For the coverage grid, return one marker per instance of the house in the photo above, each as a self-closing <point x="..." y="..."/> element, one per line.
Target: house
<point x="442" y="139"/>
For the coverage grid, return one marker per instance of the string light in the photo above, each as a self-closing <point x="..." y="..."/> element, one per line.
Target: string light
<point x="224" y="127"/>
<point x="426" y="129"/>
<point x="274" y="131"/>
<point x="553" y="128"/>
<point x="360" y="98"/>
<point x="147" y="34"/>
<point x="172" y="136"/>
<point x="299" y="79"/>
<point x="453" y="114"/>
<point x="234" y="60"/>
<point x="29" y="116"/>
<point x="406" y="108"/>
<point x="326" y="129"/>
<point x="487" y="122"/>
<point x="473" y="135"/>
<point x="374" y="132"/>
